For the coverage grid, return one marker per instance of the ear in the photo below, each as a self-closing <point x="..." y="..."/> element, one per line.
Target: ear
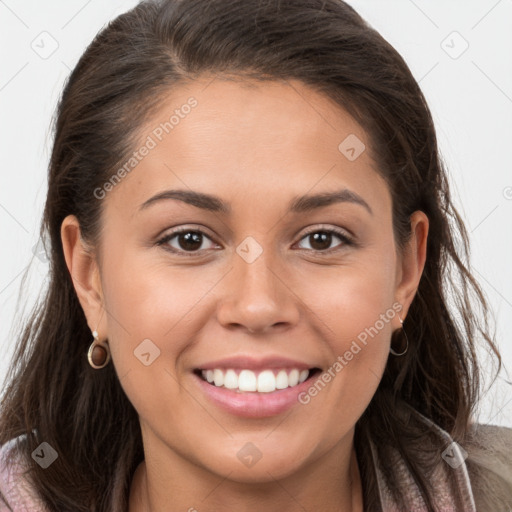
<point x="411" y="262"/>
<point x="84" y="270"/>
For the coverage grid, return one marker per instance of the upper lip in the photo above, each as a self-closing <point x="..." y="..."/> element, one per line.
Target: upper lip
<point x="255" y="363"/>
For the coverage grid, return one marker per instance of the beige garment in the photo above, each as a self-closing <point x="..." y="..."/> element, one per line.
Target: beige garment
<point x="478" y="472"/>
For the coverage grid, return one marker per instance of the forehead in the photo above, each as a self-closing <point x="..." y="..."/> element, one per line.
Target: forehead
<point x="232" y="137"/>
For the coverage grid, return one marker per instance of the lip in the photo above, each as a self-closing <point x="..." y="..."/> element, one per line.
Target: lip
<point x="252" y="363"/>
<point x="253" y="404"/>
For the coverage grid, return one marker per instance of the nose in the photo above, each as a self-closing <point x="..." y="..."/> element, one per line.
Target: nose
<point x="257" y="297"/>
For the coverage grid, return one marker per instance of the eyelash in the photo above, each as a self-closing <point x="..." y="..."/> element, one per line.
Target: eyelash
<point x="346" y="239"/>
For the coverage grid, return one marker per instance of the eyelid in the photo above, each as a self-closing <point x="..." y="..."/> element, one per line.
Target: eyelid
<point x="325" y="227"/>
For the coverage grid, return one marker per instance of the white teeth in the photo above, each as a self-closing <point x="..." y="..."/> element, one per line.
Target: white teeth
<point x="293" y="378"/>
<point x="247" y="381"/>
<point x="266" y="381"/>
<point x="218" y="377"/>
<point x="230" y="379"/>
<point x="282" y="380"/>
<point x="303" y="376"/>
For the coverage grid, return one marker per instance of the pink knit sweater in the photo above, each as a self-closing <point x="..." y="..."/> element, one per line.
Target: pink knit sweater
<point x="17" y="493"/>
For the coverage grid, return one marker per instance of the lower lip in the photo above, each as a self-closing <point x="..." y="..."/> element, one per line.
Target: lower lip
<point x="253" y="404"/>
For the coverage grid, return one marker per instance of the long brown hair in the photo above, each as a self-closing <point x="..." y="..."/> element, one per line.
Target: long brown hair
<point x="52" y="393"/>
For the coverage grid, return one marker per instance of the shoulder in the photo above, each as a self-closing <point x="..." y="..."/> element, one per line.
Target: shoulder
<point x="16" y="493"/>
<point x="493" y="438"/>
<point x="489" y="464"/>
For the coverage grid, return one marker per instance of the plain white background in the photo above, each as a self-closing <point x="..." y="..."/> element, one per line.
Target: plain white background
<point x="459" y="51"/>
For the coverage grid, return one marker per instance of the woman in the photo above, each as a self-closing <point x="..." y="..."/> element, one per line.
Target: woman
<point x="202" y="346"/>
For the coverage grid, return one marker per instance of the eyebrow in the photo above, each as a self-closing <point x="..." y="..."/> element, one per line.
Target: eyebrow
<point x="301" y="204"/>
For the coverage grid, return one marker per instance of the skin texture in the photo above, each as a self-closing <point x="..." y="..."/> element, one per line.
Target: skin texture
<point x="257" y="146"/>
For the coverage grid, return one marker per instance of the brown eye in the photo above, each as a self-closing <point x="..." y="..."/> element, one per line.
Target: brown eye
<point x="321" y="240"/>
<point x="185" y="241"/>
<point x="190" y="240"/>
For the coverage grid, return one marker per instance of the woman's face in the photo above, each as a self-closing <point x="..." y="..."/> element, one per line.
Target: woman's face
<point x="287" y="262"/>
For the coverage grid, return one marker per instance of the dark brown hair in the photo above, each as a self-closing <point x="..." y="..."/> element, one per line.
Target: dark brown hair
<point x="52" y="393"/>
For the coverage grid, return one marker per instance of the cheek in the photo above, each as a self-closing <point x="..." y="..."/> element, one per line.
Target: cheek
<point x="154" y="313"/>
<point x="137" y="306"/>
<point x="147" y="326"/>
<point x="351" y="299"/>
<point x="357" y="310"/>
<point x="147" y="298"/>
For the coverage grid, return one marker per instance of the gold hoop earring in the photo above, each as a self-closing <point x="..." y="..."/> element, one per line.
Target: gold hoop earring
<point x="406" y="338"/>
<point x="98" y="354"/>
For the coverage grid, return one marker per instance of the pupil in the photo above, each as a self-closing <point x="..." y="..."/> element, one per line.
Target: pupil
<point x="190" y="240"/>
<point x="321" y="238"/>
